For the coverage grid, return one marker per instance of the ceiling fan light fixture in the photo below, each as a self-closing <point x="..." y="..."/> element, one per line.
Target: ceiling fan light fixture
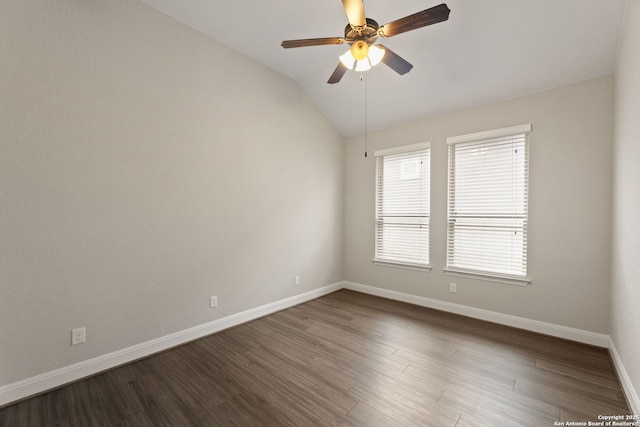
<point x="352" y="64"/>
<point x="373" y="58"/>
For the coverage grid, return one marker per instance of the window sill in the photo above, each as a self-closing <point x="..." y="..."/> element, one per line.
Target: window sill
<point x="404" y="265"/>
<point x="524" y="281"/>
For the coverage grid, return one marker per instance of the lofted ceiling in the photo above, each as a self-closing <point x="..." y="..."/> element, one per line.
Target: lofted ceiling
<point x="487" y="51"/>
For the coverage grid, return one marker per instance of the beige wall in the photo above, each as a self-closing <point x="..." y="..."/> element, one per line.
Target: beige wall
<point x="569" y="207"/>
<point x="143" y="168"/>
<point x="625" y="281"/>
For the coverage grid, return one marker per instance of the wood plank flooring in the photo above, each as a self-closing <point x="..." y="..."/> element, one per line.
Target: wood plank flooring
<point x="346" y="359"/>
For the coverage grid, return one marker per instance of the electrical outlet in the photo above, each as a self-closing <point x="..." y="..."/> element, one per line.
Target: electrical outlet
<point x="452" y="287"/>
<point x="296" y="280"/>
<point x="78" y="336"/>
<point x="213" y="302"/>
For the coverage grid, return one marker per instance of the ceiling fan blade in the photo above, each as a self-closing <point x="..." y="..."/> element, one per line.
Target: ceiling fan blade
<point x="417" y="20"/>
<point x="355" y="12"/>
<point x="312" y="42"/>
<point x="395" y="61"/>
<point x="337" y="73"/>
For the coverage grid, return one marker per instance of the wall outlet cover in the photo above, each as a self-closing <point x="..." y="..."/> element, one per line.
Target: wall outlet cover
<point x="78" y="336"/>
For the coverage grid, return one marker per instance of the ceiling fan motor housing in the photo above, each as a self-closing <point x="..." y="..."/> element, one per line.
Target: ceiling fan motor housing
<point x="366" y="33"/>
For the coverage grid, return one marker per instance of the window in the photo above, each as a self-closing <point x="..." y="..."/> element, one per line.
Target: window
<point x="487" y="204"/>
<point x="402" y="206"/>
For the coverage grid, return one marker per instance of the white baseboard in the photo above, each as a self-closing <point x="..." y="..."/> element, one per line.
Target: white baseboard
<point x="625" y="380"/>
<point x="59" y="377"/>
<point x="53" y="379"/>
<point x="587" y="337"/>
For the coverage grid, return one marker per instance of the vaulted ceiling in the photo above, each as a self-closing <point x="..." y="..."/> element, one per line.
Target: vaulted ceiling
<point x="487" y="51"/>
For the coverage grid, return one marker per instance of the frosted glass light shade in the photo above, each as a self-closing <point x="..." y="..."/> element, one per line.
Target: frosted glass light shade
<point x="363" y="65"/>
<point x="375" y="55"/>
<point x="348" y="60"/>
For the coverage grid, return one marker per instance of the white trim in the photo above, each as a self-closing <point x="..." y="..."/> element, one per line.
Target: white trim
<point x="488" y="277"/>
<point x="402" y="149"/>
<point x="495" y="133"/>
<point x="579" y="335"/>
<point x="625" y="380"/>
<point x="53" y="379"/>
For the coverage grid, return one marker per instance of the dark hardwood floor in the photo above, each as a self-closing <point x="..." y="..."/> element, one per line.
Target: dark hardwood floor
<point x="345" y="359"/>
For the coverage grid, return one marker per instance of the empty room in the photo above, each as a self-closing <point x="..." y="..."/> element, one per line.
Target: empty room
<point x="325" y="213"/>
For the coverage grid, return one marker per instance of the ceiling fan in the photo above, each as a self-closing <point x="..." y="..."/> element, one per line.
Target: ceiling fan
<point x="361" y="33"/>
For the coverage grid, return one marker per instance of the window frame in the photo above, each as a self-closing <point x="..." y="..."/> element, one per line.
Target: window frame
<point x="379" y="156"/>
<point x="483" y="138"/>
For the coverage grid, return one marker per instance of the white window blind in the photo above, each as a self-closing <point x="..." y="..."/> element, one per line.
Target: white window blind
<point x="487" y="203"/>
<point x="402" y="205"/>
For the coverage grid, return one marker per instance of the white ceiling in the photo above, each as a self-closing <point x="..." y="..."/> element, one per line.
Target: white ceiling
<point x="487" y="51"/>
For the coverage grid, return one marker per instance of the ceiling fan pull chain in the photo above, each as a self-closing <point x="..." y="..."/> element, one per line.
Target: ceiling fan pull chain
<point x="362" y="79"/>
